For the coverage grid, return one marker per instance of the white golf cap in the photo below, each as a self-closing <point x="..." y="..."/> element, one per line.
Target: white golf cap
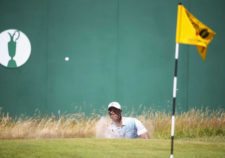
<point x="115" y="105"/>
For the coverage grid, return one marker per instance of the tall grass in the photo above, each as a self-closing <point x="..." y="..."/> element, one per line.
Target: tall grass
<point x="72" y="125"/>
<point x="191" y="124"/>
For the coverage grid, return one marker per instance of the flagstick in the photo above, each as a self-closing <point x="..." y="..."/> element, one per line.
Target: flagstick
<point x="174" y="99"/>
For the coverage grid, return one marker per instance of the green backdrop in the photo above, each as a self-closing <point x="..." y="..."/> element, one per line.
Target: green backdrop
<point x="119" y="50"/>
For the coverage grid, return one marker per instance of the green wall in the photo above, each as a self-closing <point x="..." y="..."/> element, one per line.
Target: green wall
<point x="119" y="50"/>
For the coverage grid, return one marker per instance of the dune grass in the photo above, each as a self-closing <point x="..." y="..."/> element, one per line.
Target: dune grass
<point x="108" y="148"/>
<point x="66" y="126"/>
<point x="191" y="124"/>
<point x="195" y="123"/>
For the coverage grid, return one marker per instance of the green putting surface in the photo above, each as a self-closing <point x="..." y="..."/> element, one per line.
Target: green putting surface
<point x="106" y="148"/>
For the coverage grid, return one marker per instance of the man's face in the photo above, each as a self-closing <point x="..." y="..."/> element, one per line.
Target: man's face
<point x="115" y="114"/>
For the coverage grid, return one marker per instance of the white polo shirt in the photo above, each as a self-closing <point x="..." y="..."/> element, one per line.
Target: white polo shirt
<point x="131" y="128"/>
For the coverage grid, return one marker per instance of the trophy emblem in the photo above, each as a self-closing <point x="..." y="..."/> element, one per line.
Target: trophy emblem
<point x="15" y="48"/>
<point x="12" y="48"/>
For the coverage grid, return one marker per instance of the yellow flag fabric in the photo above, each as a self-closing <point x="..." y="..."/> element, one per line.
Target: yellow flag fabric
<point x="191" y="31"/>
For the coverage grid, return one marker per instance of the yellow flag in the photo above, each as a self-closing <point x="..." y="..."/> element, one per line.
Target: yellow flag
<point x="191" y="31"/>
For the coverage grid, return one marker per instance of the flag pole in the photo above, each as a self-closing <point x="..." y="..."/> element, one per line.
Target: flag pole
<point x="174" y="99"/>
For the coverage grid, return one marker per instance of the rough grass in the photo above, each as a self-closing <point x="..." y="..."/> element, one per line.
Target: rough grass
<point x="108" y="148"/>
<point x="72" y="125"/>
<point x="191" y="124"/>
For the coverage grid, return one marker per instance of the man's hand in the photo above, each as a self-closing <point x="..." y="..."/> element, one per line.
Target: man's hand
<point x="144" y="136"/>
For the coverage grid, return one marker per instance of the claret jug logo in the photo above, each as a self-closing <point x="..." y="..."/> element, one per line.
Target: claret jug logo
<point x="15" y="48"/>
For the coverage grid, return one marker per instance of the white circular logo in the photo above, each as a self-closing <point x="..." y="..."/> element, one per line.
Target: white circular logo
<point x="15" y="48"/>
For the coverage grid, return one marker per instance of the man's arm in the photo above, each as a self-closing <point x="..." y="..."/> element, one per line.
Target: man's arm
<point x="141" y="130"/>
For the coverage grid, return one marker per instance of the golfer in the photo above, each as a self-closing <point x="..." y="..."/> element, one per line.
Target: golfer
<point x="124" y="127"/>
